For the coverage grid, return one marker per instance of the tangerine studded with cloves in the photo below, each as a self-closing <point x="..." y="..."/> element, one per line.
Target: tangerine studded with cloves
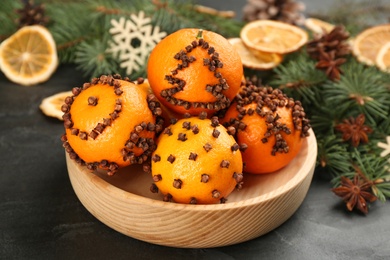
<point x="110" y="123"/>
<point x="202" y="168"/>
<point x="194" y="70"/>
<point x="269" y="127"/>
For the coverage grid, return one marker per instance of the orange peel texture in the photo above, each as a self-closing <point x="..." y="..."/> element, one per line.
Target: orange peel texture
<point x="196" y="161"/>
<point x="269" y="127"/>
<point x="194" y="70"/>
<point x="111" y="123"/>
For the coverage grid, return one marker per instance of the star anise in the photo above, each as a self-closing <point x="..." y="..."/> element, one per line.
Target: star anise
<point x="355" y="193"/>
<point x="355" y="129"/>
<point x="329" y="49"/>
<point x="330" y="64"/>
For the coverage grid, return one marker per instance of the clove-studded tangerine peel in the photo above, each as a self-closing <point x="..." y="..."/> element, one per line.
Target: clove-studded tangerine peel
<point x="196" y="162"/>
<point x="270" y="125"/>
<point x="193" y="70"/>
<point x="111" y="123"/>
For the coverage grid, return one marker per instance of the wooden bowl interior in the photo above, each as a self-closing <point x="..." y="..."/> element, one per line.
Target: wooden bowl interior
<point x="125" y="203"/>
<point x="132" y="179"/>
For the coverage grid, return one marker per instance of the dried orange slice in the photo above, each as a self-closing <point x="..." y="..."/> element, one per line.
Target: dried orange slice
<point x="29" y="56"/>
<point x="367" y="44"/>
<point x="383" y="58"/>
<point x="318" y="26"/>
<point x="51" y="106"/>
<point x="255" y="59"/>
<point x="273" y="36"/>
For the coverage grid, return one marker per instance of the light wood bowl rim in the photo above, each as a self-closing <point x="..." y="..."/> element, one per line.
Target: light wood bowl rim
<point x="182" y="225"/>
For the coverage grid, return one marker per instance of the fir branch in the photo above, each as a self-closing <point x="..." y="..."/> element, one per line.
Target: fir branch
<point x="384" y="128"/>
<point x="333" y="157"/>
<point x="380" y="133"/>
<point x="375" y="169"/>
<point x="8" y="18"/>
<point x="92" y="59"/>
<point x="382" y="189"/>
<point x="361" y="89"/>
<point x="70" y="26"/>
<point x="371" y="166"/>
<point x="168" y="20"/>
<point x="108" y="9"/>
<point x="324" y="118"/>
<point x="299" y="78"/>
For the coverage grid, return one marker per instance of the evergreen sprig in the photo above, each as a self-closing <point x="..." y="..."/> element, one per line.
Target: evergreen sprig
<point x="8" y="18"/>
<point x="92" y="58"/>
<point x="299" y="78"/>
<point x="362" y="89"/>
<point x="70" y="28"/>
<point x="373" y="169"/>
<point x="333" y="157"/>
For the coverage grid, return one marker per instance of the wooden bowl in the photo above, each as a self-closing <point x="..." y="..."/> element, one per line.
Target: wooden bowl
<point x="125" y="203"/>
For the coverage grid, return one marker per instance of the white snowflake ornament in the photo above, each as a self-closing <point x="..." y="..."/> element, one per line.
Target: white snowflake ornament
<point x="132" y="40"/>
<point x="386" y="147"/>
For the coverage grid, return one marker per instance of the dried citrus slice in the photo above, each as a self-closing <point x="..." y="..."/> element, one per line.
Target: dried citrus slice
<point x="273" y="36"/>
<point x="209" y="10"/>
<point x="383" y="58"/>
<point x="255" y="59"/>
<point x="51" y="106"/>
<point x="318" y="26"/>
<point x="367" y="44"/>
<point x="29" y="56"/>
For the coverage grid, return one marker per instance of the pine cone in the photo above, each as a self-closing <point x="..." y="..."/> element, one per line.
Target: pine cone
<point x="288" y="11"/>
<point x="335" y="40"/>
<point x="31" y="14"/>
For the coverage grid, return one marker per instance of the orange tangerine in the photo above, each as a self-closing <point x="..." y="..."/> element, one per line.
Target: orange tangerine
<point x="194" y="70"/>
<point x="270" y="125"/>
<point x="196" y="161"/>
<point x="109" y="123"/>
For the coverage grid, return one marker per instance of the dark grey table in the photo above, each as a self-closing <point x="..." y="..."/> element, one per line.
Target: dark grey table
<point x="41" y="217"/>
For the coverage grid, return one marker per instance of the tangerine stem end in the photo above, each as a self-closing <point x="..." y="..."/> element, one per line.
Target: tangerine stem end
<point x="200" y="34"/>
